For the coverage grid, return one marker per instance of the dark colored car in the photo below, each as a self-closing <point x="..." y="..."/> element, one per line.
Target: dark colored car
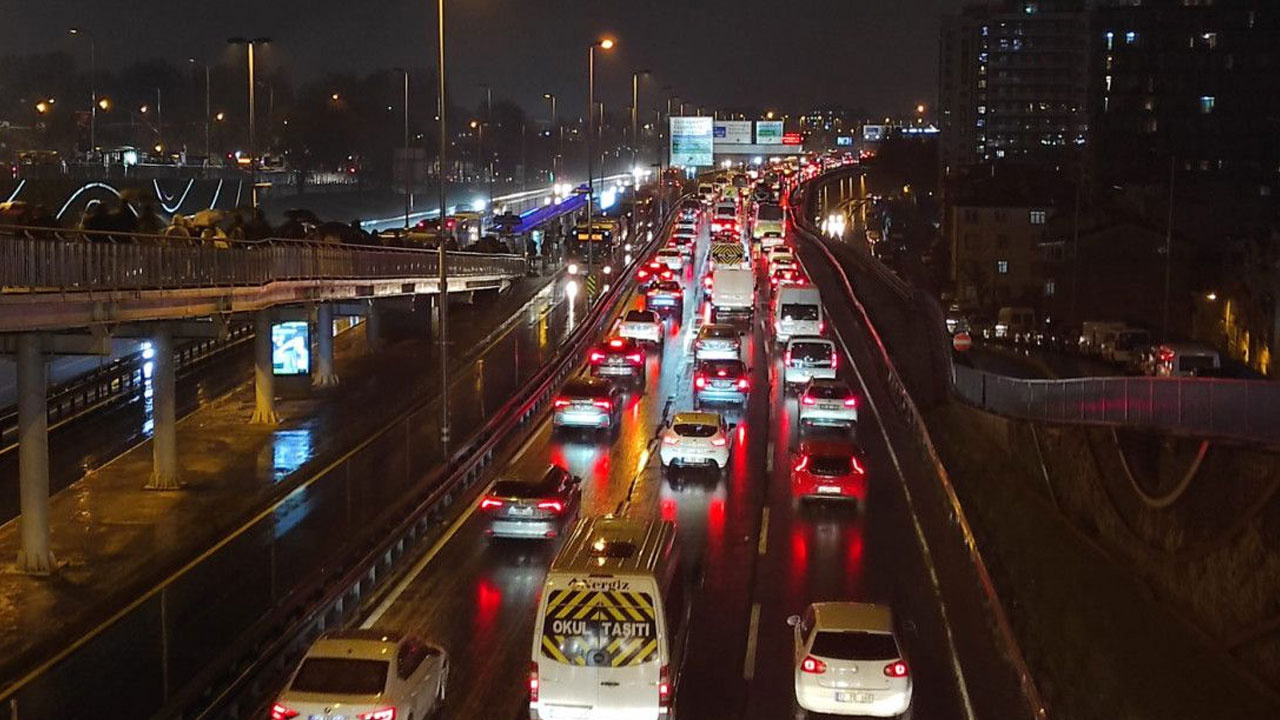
<point x="665" y="297"/>
<point x="618" y="358"/>
<point x="720" y="381"/>
<point x="538" y="509"/>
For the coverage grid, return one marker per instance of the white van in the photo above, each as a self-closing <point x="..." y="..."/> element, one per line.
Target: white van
<point x="609" y="634"/>
<point x="1186" y="360"/>
<point x="733" y="292"/>
<point x="797" y="311"/>
<point x="767" y="223"/>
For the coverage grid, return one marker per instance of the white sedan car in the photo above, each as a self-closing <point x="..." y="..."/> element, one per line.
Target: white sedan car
<point x="828" y="402"/>
<point x="369" y="674"/>
<point x="695" y="439"/>
<point x="672" y="258"/>
<point x="848" y="662"/>
<point x="642" y="326"/>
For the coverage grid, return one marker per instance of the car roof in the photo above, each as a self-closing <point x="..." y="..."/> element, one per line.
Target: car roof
<point x="587" y="383"/>
<point x="853" y="616"/>
<point x="810" y="339"/>
<point x="668" y="251"/>
<point x="718" y="327"/>
<point x="830" y="382"/>
<point x="371" y="644"/>
<point x="696" y="418"/>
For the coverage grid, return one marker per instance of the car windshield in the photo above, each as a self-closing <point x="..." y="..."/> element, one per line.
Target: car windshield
<point x="724" y="368"/>
<point x="855" y="645"/>
<point x="769" y="212"/>
<point x="341" y="676"/>
<point x="694" y="430"/>
<point x="799" y="311"/>
<point x="811" y="351"/>
<point x="828" y="391"/>
<point x="641" y="316"/>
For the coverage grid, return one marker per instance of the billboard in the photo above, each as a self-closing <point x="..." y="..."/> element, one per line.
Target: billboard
<point x="792" y="139"/>
<point x="732" y="132"/>
<point x="691" y="141"/>
<point x="768" y="132"/>
<point x="844" y="140"/>
<point x="290" y="348"/>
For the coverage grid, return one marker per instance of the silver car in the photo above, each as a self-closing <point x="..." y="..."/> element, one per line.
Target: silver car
<point x="828" y="402"/>
<point x="536" y="510"/>
<point x="717" y="341"/>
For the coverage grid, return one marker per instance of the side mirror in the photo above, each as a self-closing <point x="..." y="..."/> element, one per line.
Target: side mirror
<point x="575" y="480"/>
<point x="793" y="621"/>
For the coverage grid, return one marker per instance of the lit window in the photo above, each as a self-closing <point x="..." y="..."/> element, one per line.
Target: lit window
<point x="1111" y="40"/>
<point x="1206" y="104"/>
<point x="1050" y="288"/>
<point x="1002" y="267"/>
<point x="1038" y="217"/>
<point x="1107" y="79"/>
<point x="1130" y="38"/>
<point x="982" y="109"/>
<point x="1209" y="39"/>
<point x="1031" y="8"/>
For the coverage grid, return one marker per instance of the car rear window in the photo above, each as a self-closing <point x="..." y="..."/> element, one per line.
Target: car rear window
<point x="694" y="430"/>
<point x="520" y="488"/>
<point x="732" y="368"/>
<point x="810" y="351"/>
<point x="824" y="391"/>
<point x="855" y="645"/>
<point x="600" y="628"/>
<point x="586" y="390"/>
<point x="722" y="333"/>
<point x="799" y="311"/>
<point x="669" y="253"/>
<point x="341" y="676"/>
<point x="769" y="212"/>
<point x="726" y="211"/>
<point x="668" y="286"/>
<point x="640" y="316"/>
<point x="829" y="465"/>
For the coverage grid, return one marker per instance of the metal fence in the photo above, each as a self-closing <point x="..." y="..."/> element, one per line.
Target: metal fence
<point x="162" y="263"/>
<point x="1235" y="409"/>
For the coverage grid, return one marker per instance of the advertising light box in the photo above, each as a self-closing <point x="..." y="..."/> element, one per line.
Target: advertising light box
<point x="291" y="348"/>
<point x="691" y="141"/>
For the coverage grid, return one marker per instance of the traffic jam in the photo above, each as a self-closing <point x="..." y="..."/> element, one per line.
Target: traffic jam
<point x="589" y="579"/>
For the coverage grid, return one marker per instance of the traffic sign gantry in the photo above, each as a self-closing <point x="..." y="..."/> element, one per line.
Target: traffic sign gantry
<point x="961" y="341"/>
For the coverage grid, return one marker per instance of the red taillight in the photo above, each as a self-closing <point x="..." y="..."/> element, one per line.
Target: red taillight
<point x="282" y="712"/>
<point x="667" y="275"/>
<point x="813" y="665"/>
<point x="719" y="442"/>
<point x="616" y="342"/>
<point x="561" y="402"/>
<point x="857" y="467"/>
<point x="554" y="506"/>
<point x="835" y="361"/>
<point x="707" y="282"/>
<point x="670" y="440"/>
<point x="603" y="404"/>
<point x="383" y="714"/>
<point x="635" y="358"/>
<point x="804" y="463"/>
<point x="786" y="358"/>
<point x="664" y="687"/>
<point x="699" y="381"/>
<point x="896" y="669"/>
<point x="822" y="326"/>
<point x="851" y="402"/>
<point x="490" y="503"/>
<point x="597" y="356"/>
<point x="533" y="682"/>
<point x="808" y="400"/>
<point x="742" y="383"/>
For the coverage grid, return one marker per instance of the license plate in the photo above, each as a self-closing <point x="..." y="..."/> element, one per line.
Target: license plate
<point x="854" y="697"/>
<point x="829" y="406"/>
<point x="521" y="510"/>
<point x="829" y="489"/>
<point x="723" y="384"/>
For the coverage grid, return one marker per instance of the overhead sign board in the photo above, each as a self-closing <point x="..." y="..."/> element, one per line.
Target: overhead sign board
<point x="792" y="139"/>
<point x="873" y="133"/>
<point x="844" y="140"/>
<point x="768" y="132"/>
<point x="691" y="141"/>
<point x="732" y="132"/>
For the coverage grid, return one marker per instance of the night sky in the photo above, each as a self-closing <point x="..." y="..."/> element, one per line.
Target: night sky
<point x="880" y="55"/>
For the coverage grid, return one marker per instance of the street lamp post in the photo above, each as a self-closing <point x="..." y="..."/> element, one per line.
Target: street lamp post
<point x="635" y="109"/>
<point x="408" y="166"/>
<point x="253" y="147"/>
<point x="208" y="113"/>
<point x="555" y="127"/>
<point x="93" y="86"/>
<point x="605" y="44"/>
<point x="159" y="123"/>
<point x="443" y="279"/>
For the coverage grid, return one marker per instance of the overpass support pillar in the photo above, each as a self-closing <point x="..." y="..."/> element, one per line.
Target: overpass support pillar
<point x="35" y="556"/>
<point x="164" y="444"/>
<point x="373" y="328"/>
<point x="325" y="375"/>
<point x="264" y="379"/>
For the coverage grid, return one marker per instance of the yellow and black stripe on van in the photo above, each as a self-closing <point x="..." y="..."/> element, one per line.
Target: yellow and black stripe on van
<point x="600" y="628"/>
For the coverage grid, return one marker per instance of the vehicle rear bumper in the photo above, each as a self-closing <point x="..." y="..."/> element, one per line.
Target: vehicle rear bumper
<point x="886" y="703"/>
<point x="581" y="420"/>
<point x="523" y="529"/>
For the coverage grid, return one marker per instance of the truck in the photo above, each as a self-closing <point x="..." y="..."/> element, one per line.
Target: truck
<point x="733" y="292"/>
<point x="1094" y="334"/>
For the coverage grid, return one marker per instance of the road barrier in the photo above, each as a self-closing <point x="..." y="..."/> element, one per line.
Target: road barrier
<point x="1246" y="410"/>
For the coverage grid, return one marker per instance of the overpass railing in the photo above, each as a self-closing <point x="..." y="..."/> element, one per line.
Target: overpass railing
<point x="101" y="262"/>
<point x="1246" y="410"/>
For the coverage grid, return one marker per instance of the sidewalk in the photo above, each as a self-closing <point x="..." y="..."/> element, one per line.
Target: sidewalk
<point x="117" y="540"/>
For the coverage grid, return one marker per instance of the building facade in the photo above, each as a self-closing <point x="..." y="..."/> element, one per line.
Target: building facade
<point x="1013" y="83"/>
<point x="997" y="252"/>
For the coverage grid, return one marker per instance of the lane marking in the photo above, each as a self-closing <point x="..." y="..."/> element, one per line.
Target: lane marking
<point x="768" y="461"/>
<point x="423" y="562"/>
<point x="753" y="631"/>
<point x="764" y="531"/>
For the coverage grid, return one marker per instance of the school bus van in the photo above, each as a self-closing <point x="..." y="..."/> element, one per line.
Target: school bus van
<point x="611" y="623"/>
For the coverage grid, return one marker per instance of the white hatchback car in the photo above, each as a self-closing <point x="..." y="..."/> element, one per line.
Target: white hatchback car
<point x="807" y="357"/>
<point x="828" y="402"/>
<point x="366" y="675"/>
<point x="848" y="662"/>
<point x="696" y="439"/>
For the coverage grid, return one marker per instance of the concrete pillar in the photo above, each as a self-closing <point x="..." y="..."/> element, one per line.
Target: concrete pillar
<point x="264" y="380"/>
<point x="34" y="557"/>
<point x="373" y="328"/>
<point x="164" y="443"/>
<point x="324" y="375"/>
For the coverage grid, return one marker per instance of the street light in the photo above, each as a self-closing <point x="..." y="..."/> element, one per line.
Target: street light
<point x="93" y="85"/>
<point x="253" y="148"/>
<point x="443" y="282"/>
<point x="207" y="110"/>
<point x="408" y="165"/>
<point x="604" y="44"/>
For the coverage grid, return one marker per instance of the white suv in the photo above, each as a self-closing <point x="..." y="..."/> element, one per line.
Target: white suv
<point x="848" y="662"/>
<point x="807" y="357"/>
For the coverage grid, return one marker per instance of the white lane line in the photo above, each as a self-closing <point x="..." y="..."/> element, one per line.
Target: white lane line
<point x="749" y="664"/>
<point x="768" y="459"/>
<point x="422" y="563"/>
<point x="764" y="531"/>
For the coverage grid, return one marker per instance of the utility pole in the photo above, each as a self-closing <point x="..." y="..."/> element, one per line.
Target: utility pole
<point x="1168" y="253"/>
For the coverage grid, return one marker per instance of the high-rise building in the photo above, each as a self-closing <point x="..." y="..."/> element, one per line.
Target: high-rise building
<point x="1013" y="83"/>
<point x="1197" y="81"/>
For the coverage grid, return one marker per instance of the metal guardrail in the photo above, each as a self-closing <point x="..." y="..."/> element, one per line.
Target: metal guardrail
<point x="1247" y="410"/>
<point x="114" y="382"/>
<point x="157" y="262"/>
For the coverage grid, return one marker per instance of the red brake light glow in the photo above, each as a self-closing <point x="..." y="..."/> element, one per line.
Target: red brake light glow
<point x="635" y="358"/>
<point x="597" y="356"/>
<point x="552" y="505"/>
<point x="533" y="682"/>
<point x="602" y="404"/>
<point x="616" y="342"/>
<point x="561" y="402"/>
<point x="813" y="665"/>
<point x="804" y="463"/>
<point x="835" y="361"/>
<point x="896" y="669"/>
<point x="383" y="714"/>
<point x="742" y="383"/>
<point x="282" y="712"/>
<point x="490" y="503"/>
<point x="851" y="401"/>
<point x="719" y="442"/>
<point x="699" y="381"/>
<point x="857" y="467"/>
<point x="664" y="687"/>
<point x="808" y="400"/>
